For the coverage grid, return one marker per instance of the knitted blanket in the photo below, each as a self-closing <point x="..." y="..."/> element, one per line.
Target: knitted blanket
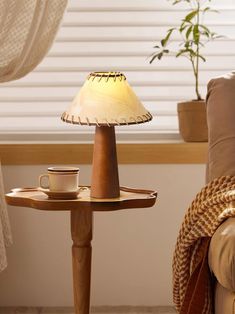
<point x="192" y="281"/>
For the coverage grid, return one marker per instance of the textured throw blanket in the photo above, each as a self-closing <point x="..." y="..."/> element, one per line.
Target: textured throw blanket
<point x="192" y="280"/>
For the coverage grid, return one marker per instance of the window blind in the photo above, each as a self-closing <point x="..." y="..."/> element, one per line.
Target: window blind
<point x="110" y="35"/>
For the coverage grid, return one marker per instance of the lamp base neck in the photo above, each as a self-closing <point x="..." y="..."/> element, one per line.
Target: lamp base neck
<point x="105" y="180"/>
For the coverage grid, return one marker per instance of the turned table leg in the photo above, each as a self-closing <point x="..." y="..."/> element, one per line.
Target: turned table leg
<point x="81" y="231"/>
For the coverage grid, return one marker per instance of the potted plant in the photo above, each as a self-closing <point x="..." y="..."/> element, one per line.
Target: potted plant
<point x="195" y="35"/>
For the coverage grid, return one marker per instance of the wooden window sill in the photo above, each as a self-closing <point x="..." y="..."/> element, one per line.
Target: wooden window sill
<point x="157" y="153"/>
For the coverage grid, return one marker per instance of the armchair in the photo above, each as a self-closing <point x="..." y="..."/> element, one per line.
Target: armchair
<point x="221" y="161"/>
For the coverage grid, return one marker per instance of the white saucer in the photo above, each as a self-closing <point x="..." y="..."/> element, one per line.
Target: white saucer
<point x="60" y="195"/>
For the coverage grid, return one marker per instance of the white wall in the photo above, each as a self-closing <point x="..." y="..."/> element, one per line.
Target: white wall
<point x="132" y="249"/>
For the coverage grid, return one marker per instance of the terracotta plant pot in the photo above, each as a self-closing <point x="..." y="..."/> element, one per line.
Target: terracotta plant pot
<point x="192" y="121"/>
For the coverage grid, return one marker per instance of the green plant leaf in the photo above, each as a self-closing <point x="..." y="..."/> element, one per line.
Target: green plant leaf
<point x="189" y="51"/>
<point x="209" y="9"/>
<point x="183" y="26"/>
<point x="190" y="16"/>
<point x="189" y="31"/>
<point x="196" y="34"/>
<point x="215" y="36"/>
<point x="187" y="44"/>
<point x="204" y="30"/>
<point x="176" y="1"/>
<point x="206" y="9"/>
<point x="171" y="29"/>
<point x="165" y="40"/>
<point x="201" y="57"/>
<point x="180" y="53"/>
<point x="158" y="55"/>
<point x="153" y="58"/>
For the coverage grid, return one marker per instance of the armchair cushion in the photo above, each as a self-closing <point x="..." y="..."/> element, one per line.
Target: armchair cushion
<point x="221" y="255"/>
<point x="224" y="300"/>
<point x="221" y="126"/>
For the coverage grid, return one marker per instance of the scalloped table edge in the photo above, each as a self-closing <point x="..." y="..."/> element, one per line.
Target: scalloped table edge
<point x="129" y="198"/>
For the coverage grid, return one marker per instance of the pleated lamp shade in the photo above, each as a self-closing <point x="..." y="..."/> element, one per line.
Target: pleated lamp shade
<point x="106" y="99"/>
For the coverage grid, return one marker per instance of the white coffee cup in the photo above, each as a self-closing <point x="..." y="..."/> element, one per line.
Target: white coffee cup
<point x="60" y="179"/>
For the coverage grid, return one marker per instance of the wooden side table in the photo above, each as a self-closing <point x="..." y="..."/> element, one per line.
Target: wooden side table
<point x="81" y="210"/>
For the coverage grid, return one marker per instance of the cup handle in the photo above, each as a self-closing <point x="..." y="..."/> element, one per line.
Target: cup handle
<point x="41" y="177"/>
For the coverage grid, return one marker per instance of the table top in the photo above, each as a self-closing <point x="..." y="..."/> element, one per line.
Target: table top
<point x="36" y="198"/>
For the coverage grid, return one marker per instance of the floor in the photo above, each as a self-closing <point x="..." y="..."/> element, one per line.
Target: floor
<point x="95" y="310"/>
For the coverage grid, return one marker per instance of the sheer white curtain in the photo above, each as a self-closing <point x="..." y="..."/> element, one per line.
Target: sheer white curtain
<point x="27" y="30"/>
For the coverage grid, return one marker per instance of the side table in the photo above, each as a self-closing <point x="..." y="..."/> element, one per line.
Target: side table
<point x="81" y="210"/>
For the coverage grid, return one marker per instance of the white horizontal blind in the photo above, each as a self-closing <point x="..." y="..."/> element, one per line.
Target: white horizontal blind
<point x="111" y="35"/>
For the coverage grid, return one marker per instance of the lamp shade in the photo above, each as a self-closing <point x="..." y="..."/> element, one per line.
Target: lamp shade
<point x="107" y="99"/>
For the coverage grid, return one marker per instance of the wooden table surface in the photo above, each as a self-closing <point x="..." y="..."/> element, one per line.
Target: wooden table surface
<point x="35" y="198"/>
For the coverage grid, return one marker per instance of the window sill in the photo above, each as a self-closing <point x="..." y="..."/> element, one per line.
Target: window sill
<point x="135" y="153"/>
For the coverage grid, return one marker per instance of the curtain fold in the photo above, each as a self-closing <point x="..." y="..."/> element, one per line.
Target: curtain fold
<point x="27" y="31"/>
<point x="5" y="230"/>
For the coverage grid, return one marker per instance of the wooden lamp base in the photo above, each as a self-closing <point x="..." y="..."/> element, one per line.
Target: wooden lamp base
<point x="105" y="180"/>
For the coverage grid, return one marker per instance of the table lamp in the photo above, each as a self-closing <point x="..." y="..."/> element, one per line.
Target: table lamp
<point x="105" y="100"/>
